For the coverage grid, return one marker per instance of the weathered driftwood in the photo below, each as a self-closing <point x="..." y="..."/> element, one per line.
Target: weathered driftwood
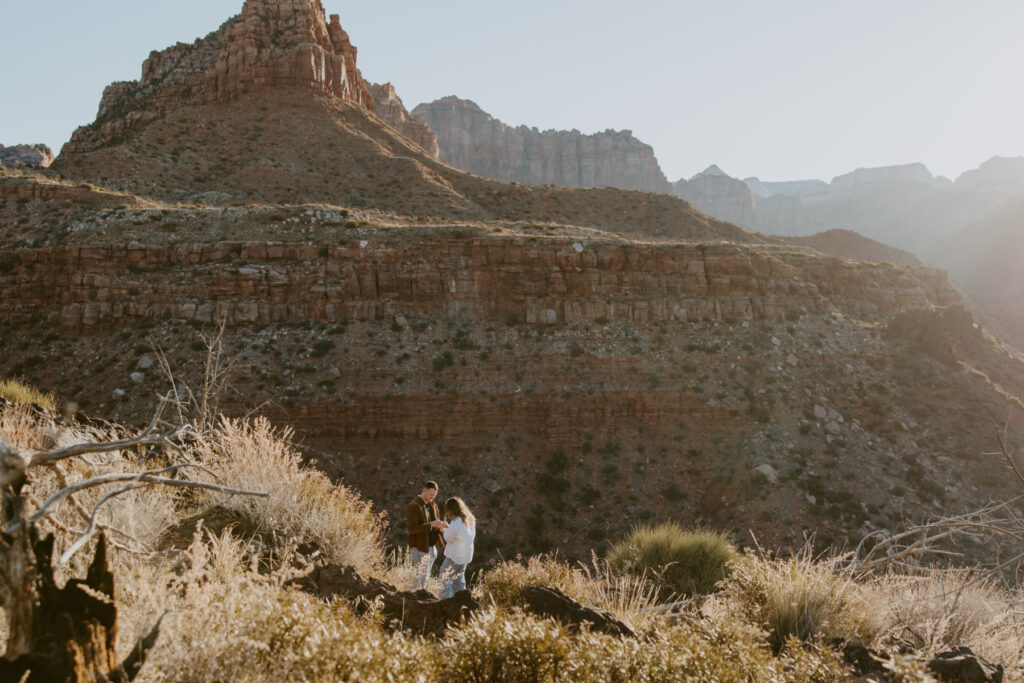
<point x="551" y="602"/>
<point x="419" y="611"/>
<point x="69" y="633"/>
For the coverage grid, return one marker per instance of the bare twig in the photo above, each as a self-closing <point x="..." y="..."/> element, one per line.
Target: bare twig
<point x="106" y="479"/>
<point x="1006" y="454"/>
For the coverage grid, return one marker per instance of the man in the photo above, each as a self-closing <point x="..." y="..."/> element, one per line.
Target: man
<point x="425" y="539"/>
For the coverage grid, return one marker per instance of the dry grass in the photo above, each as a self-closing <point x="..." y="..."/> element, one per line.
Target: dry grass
<point x="801" y="597"/>
<point x="231" y="617"/>
<point x="939" y="609"/>
<point x="18" y="393"/>
<point x="303" y="506"/>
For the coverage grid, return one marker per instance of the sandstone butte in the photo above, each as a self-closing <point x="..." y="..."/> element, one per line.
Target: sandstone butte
<point x="610" y="355"/>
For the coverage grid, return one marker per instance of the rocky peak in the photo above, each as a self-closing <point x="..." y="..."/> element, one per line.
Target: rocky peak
<point x="720" y="195"/>
<point x="389" y="107"/>
<point x="270" y="44"/>
<point x="711" y="170"/>
<point x="26" y="155"/>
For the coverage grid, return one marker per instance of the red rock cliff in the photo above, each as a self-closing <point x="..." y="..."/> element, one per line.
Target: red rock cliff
<point x="272" y="43"/>
<point x="389" y="107"/>
<point x="90" y="288"/>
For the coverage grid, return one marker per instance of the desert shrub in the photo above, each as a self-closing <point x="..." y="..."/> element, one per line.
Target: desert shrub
<point x="303" y="506"/>
<point x="802" y="598"/>
<point x="495" y="646"/>
<point x="17" y="392"/>
<point x="321" y="348"/>
<point x="683" y="561"/>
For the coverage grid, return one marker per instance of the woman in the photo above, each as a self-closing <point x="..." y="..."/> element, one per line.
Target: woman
<point x="458" y="549"/>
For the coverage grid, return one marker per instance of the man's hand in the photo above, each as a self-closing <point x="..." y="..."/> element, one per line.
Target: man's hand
<point x="438" y="524"/>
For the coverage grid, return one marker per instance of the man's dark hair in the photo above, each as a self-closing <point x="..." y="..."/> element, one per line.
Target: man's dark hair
<point x="430" y="485"/>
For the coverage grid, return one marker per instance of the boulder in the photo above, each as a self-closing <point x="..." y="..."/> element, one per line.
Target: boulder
<point x="961" y="665"/>
<point x="551" y="602"/>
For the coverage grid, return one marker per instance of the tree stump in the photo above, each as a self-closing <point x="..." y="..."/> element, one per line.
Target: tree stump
<point x="69" y="633"/>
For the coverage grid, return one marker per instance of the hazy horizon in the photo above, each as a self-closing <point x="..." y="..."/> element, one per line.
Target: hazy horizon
<point x="786" y="91"/>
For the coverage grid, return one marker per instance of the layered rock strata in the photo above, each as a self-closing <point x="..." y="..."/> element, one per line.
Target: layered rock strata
<point x="272" y="43"/>
<point x="388" y="105"/>
<point x="473" y="140"/>
<point x="88" y="288"/>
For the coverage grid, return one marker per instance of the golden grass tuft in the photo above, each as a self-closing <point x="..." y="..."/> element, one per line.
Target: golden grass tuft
<point x="19" y="393"/>
<point x="682" y="561"/>
<point x="803" y="598"/>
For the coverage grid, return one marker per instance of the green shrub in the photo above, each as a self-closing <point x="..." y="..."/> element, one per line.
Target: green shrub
<point x="686" y="562"/>
<point x="16" y="392"/>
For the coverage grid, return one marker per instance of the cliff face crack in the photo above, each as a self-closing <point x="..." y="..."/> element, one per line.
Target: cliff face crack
<point x="704" y="260"/>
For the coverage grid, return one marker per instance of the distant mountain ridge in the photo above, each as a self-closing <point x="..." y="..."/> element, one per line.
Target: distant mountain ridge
<point x="474" y="141"/>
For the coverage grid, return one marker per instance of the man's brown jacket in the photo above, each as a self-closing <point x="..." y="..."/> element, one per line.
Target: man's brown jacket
<point x="421" y="536"/>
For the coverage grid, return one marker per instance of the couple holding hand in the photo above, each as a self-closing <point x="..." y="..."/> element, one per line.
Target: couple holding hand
<point x="429" y="534"/>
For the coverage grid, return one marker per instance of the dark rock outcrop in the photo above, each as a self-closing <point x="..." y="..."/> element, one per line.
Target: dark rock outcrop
<point x="961" y="665"/>
<point x="419" y="611"/>
<point x="473" y="140"/>
<point x="551" y="602"/>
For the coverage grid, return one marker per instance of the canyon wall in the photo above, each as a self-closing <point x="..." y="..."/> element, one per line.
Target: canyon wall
<point x="474" y="141"/>
<point x="89" y="288"/>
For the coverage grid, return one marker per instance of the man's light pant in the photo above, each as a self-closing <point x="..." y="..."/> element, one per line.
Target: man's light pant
<point x="422" y="562"/>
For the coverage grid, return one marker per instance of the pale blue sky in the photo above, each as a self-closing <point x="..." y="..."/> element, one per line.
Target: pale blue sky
<point x="781" y="89"/>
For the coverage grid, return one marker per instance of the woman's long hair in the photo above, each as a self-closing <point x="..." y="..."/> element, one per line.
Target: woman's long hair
<point x="456" y="507"/>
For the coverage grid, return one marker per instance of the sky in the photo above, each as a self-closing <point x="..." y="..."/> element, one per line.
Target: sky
<point x="781" y="89"/>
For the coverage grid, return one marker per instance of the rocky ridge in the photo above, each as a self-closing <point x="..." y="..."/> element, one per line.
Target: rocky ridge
<point x="388" y="105"/>
<point x="474" y="141"/>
